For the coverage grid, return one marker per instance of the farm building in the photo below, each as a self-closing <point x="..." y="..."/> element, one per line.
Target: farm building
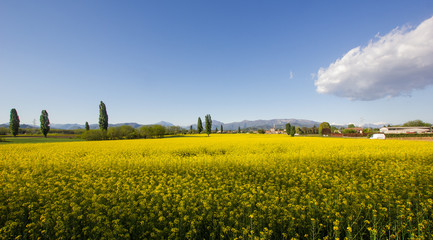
<point x="405" y="130"/>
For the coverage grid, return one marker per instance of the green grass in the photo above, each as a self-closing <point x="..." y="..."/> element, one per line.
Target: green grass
<point x="17" y="140"/>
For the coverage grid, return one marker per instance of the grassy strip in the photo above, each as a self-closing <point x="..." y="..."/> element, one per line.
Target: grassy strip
<point x="20" y="140"/>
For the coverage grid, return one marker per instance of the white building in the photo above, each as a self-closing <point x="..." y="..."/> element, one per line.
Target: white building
<point x="405" y="130"/>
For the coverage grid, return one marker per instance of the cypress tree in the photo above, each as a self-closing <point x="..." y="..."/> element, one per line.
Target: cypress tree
<point x="222" y="129"/>
<point x="208" y="124"/>
<point x="87" y="127"/>
<point x="45" y="123"/>
<point x="239" y="129"/>
<point x="103" y="117"/>
<point x="14" y="123"/>
<point x="199" y="125"/>
<point x="190" y="129"/>
<point x="288" y="129"/>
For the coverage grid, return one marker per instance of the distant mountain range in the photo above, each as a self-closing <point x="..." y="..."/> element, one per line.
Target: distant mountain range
<point x="256" y="124"/>
<point x="265" y="124"/>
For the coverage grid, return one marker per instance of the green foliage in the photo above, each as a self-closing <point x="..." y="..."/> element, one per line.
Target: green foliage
<point x="416" y="123"/>
<point x="324" y="125"/>
<point x="222" y="129"/>
<point x="288" y="128"/>
<point x="45" y="123"/>
<point x="208" y="124"/>
<point x="347" y="131"/>
<point x="199" y="125"/>
<point x="14" y="123"/>
<point x="93" y="135"/>
<point x="261" y="131"/>
<point x="122" y="132"/>
<point x="239" y="129"/>
<point x="351" y="126"/>
<point x="152" y="131"/>
<point x="299" y="130"/>
<point x="367" y="130"/>
<point x="191" y="130"/>
<point x="26" y="140"/>
<point x="103" y="117"/>
<point x="4" y="131"/>
<point x="292" y="131"/>
<point x="86" y="126"/>
<point x="334" y="129"/>
<point x="314" y="130"/>
<point x="174" y="130"/>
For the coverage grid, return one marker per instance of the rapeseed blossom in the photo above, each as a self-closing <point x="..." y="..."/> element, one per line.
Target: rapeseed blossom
<point x="223" y="186"/>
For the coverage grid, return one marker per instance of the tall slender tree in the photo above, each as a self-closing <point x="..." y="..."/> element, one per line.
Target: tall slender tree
<point x="208" y="124"/>
<point x="190" y="129"/>
<point x="86" y="126"/>
<point x="222" y="129"/>
<point x="288" y="129"/>
<point x="45" y="123"/>
<point x="199" y="125"/>
<point x="103" y="117"/>
<point x="14" y="123"/>
<point x="239" y="129"/>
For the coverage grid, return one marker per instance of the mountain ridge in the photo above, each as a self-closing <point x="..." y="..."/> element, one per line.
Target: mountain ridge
<point x="253" y="124"/>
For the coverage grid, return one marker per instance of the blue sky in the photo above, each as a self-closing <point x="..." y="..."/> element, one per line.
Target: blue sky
<point x="236" y="60"/>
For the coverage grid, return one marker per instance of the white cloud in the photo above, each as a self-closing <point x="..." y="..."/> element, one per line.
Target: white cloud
<point x="394" y="65"/>
<point x="291" y="75"/>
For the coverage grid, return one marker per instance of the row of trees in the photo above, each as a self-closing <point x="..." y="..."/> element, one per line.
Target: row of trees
<point x="14" y="123"/>
<point x="324" y="129"/>
<point x="208" y="125"/>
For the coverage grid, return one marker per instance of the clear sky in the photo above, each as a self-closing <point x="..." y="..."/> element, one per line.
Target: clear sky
<point x="336" y="61"/>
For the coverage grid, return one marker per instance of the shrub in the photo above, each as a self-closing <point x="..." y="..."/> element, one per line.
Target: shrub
<point x="122" y="132"/>
<point x="153" y="131"/>
<point x="4" y="131"/>
<point x="94" y="135"/>
<point x="348" y="131"/>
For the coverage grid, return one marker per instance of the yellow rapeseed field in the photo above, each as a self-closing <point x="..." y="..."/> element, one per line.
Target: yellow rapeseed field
<point x="218" y="187"/>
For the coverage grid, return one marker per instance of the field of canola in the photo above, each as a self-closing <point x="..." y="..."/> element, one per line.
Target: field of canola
<point x="218" y="187"/>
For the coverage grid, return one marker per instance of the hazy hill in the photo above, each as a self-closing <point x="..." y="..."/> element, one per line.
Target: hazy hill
<point x="265" y="124"/>
<point x="255" y="124"/>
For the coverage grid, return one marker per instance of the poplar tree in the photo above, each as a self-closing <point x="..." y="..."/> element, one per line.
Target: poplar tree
<point x="199" y="125"/>
<point x="14" y="123"/>
<point x="45" y="123"/>
<point x="86" y="126"/>
<point x="208" y="124"/>
<point x="103" y="117"/>
<point x="288" y="129"/>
